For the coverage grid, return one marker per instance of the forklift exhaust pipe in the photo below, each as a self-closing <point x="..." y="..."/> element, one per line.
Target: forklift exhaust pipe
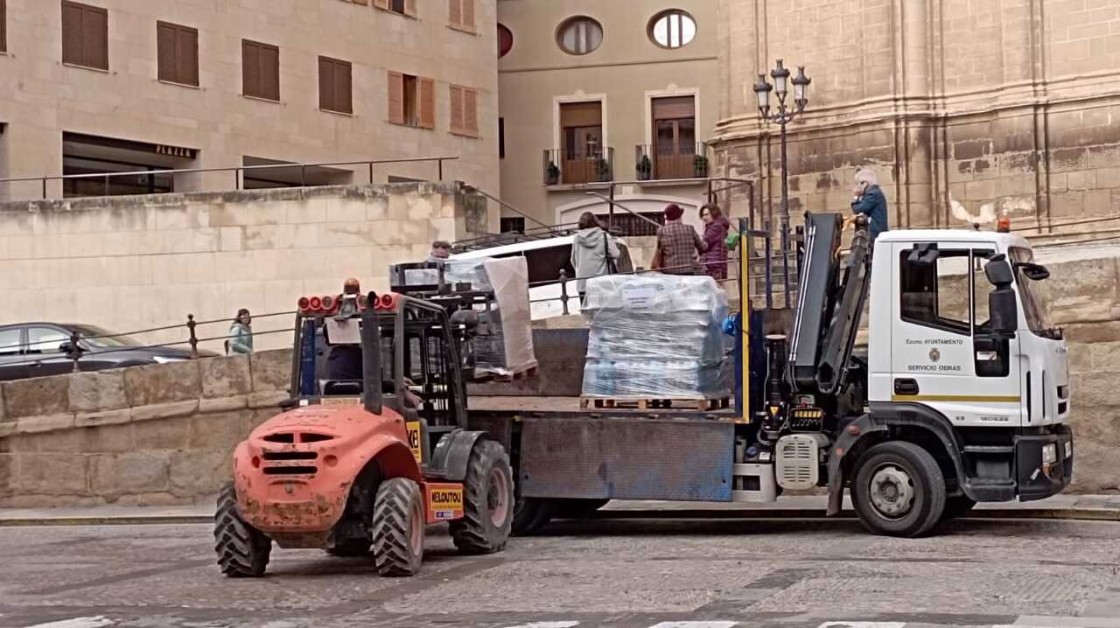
<point x="372" y="396"/>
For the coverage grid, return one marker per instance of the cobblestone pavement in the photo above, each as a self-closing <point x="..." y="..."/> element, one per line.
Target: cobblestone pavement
<point x="627" y="573"/>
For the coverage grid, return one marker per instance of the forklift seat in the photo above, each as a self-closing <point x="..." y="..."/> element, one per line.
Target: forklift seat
<point x="342" y="387"/>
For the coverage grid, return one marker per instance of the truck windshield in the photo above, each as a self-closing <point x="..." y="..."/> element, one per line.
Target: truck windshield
<point x="1032" y="293"/>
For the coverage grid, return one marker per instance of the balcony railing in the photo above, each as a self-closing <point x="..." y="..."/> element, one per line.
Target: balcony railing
<point x="565" y="167"/>
<point x="679" y="162"/>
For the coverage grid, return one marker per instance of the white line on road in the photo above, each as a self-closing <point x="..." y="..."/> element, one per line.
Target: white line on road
<point x="863" y="624"/>
<point x="695" y="624"/>
<point x="548" y="624"/>
<point x="78" y="622"/>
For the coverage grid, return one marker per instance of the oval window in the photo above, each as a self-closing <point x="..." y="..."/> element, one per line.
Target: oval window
<point x="505" y="40"/>
<point x="579" y="35"/>
<point x="672" y="29"/>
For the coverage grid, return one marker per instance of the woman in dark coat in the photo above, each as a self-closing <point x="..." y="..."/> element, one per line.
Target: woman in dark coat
<point x="716" y="227"/>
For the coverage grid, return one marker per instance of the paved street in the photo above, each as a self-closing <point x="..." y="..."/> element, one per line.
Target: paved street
<point x="633" y="573"/>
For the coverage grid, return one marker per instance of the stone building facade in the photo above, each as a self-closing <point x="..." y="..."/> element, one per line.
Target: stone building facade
<point x="1008" y="102"/>
<point x="95" y="86"/>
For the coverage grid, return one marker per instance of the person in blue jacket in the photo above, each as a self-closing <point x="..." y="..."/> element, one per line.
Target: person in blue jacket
<point x="870" y="201"/>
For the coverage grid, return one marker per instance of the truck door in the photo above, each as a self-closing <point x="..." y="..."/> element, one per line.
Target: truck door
<point x="944" y="356"/>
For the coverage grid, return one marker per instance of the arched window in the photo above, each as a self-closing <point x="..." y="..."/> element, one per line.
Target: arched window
<point x="579" y="35"/>
<point x="672" y="29"/>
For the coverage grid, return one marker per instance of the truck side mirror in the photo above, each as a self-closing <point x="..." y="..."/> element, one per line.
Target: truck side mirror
<point x="1003" y="310"/>
<point x="999" y="272"/>
<point x="1034" y="272"/>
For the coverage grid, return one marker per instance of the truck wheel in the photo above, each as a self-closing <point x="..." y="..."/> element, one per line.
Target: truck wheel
<point x="531" y="515"/>
<point x="577" y="508"/>
<point x="243" y="550"/>
<point x="398" y="528"/>
<point x="957" y="506"/>
<point x="487" y="501"/>
<point x="898" y="490"/>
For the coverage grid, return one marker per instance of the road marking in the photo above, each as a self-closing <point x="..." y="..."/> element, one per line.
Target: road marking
<point x="863" y="624"/>
<point x="78" y="622"/>
<point x="695" y="624"/>
<point x="548" y="624"/>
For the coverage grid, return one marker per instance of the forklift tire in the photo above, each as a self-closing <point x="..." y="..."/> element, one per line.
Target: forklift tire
<point x="398" y="528"/>
<point x="898" y="490"/>
<point x="243" y="550"/>
<point x="531" y="515"/>
<point x="577" y="508"/>
<point x="957" y="506"/>
<point x="487" y="501"/>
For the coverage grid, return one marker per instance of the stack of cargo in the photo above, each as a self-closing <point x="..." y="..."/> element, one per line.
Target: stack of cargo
<point x="656" y="337"/>
<point x="504" y="344"/>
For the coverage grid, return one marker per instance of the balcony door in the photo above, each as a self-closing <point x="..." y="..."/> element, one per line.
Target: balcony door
<point x="581" y="126"/>
<point x="674" y="137"/>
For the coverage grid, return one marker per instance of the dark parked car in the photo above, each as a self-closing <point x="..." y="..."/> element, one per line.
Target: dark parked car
<point x="42" y="349"/>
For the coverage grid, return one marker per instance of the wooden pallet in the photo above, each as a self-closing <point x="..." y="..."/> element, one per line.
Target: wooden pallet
<point x="654" y="404"/>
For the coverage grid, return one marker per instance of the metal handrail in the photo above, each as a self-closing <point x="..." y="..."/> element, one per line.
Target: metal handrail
<point x="237" y="170"/>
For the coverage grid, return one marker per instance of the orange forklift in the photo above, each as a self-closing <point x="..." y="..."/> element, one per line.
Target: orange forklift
<point x="372" y="446"/>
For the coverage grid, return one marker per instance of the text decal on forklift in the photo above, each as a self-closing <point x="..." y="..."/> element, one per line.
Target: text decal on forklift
<point x="445" y="501"/>
<point x="414" y="440"/>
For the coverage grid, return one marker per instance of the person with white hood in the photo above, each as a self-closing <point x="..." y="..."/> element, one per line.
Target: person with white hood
<point x="868" y="199"/>
<point x="594" y="252"/>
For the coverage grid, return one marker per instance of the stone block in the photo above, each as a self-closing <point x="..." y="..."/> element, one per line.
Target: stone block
<point x="108" y="439"/>
<point x="225" y="377"/>
<point x="1105" y="356"/>
<point x="1099" y="425"/>
<point x="164" y="411"/>
<point x="3" y="413"/>
<point x="1094" y="469"/>
<point x="1094" y="390"/>
<point x="197" y="472"/>
<point x="224" y="404"/>
<point x="97" y="392"/>
<point x="162" y="434"/>
<point x="267" y="400"/>
<point x="1080" y="357"/>
<point x="36" y="397"/>
<point x="9" y="474"/>
<point x="108" y="417"/>
<point x="218" y="431"/>
<point x="53" y="474"/>
<point x="37" y="424"/>
<point x="271" y="370"/>
<point x="112" y="475"/>
<point x="163" y="383"/>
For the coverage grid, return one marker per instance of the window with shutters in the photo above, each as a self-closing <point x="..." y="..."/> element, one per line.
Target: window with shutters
<point x="336" y="92"/>
<point x="402" y="7"/>
<point x="3" y="25"/>
<point x="85" y="36"/>
<point x="177" y="49"/>
<point x="464" y="111"/>
<point x="260" y="70"/>
<point x="461" y="15"/>
<point x="412" y="100"/>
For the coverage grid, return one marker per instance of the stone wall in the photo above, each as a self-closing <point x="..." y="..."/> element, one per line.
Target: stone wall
<point x="1002" y="103"/>
<point x="131" y="263"/>
<point x="147" y="435"/>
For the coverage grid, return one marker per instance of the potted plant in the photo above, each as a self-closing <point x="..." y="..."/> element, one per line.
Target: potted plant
<point x="700" y="166"/>
<point x="552" y="173"/>
<point x="603" y="168"/>
<point x="645" y="168"/>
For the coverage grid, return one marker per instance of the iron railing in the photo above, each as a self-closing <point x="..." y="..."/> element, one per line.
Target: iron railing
<point x="79" y="181"/>
<point x="574" y="167"/>
<point x="659" y="162"/>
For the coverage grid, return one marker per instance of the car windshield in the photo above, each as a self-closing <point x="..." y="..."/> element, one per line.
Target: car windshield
<point x="105" y="339"/>
<point x="1033" y="296"/>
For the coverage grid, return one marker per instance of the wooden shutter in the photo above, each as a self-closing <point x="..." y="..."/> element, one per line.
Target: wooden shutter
<point x="457" y="124"/>
<point x="95" y="37"/>
<point x="381" y="4"/>
<point x="410" y="8"/>
<point x="71" y="33"/>
<point x="250" y="69"/>
<point x="343" y="87"/>
<point x="326" y="84"/>
<point x="427" y="103"/>
<point x="455" y="12"/>
<point x="187" y="54"/>
<point x="269" y="71"/>
<point x="3" y="26"/>
<point x="468" y="14"/>
<point x="166" y="52"/>
<point x="470" y="111"/>
<point x="396" y="98"/>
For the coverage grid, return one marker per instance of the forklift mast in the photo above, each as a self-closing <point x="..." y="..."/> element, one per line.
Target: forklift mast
<point x="830" y="302"/>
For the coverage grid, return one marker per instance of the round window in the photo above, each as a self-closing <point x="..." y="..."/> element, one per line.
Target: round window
<point x="672" y="29"/>
<point x="505" y="40"/>
<point x="579" y="35"/>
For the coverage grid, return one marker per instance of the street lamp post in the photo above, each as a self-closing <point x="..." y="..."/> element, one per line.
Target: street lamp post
<point x="783" y="115"/>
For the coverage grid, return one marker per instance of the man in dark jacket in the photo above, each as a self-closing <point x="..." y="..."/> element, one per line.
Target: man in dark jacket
<point x="870" y="201"/>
